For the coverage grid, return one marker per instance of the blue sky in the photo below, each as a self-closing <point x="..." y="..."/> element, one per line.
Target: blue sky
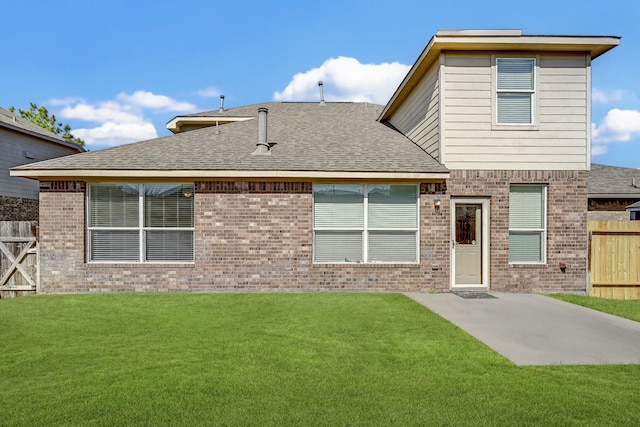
<point x="118" y="71"/>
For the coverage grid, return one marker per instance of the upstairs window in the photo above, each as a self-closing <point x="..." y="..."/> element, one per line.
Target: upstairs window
<point x="365" y="223"/>
<point x="140" y="223"/>
<point x="515" y="91"/>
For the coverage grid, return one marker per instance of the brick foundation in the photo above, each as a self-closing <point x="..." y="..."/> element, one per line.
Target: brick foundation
<point x="257" y="236"/>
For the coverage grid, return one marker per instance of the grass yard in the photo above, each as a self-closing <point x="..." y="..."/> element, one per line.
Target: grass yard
<point x="279" y="359"/>
<point x="629" y="309"/>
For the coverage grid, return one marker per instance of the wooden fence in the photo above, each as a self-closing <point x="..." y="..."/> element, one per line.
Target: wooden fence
<point x="614" y="259"/>
<point x="19" y="269"/>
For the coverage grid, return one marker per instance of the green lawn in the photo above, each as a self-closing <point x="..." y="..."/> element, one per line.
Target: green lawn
<point x="622" y="308"/>
<point x="279" y="359"/>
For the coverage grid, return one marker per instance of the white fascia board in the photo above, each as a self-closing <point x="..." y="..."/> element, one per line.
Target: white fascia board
<point x="175" y="124"/>
<point x="226" y="174"/>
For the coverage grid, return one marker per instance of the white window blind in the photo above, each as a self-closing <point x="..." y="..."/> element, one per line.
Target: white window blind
<point x="527" y="223"/>
<point x="365" y="223"/>
<point x="140" y="223"/>
<point x="515" y="90"/>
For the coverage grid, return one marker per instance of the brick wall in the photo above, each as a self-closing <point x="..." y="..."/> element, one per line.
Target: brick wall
<point x="18" y="209"/>
<point x="566" y="227"/>
<point x="257" y="236"/>
<point x="249" y="237"/>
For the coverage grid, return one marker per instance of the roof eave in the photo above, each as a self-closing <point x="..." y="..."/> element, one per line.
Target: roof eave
<point x="176" y="124"/>
<point x="613" y="195"/>
<point x="102" y="174"/>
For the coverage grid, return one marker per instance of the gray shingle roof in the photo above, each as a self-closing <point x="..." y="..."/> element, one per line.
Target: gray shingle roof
<point x="613" y="180"/>
<point x="305" y="137"/>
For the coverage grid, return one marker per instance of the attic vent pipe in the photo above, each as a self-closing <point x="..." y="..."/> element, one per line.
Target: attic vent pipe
<point x="321" y="85"/>
<point x="634" y="183"/>
<point x="262" y="145"/>
<point x="221" y="103"/>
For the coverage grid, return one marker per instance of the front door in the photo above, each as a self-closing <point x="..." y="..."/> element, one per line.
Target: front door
<point x="468" y="246"/>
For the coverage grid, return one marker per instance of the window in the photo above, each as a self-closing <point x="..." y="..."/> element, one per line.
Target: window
<point x="527" y="224"/>
<point x="140" y="222"/>
<point x="515" y="91"/>
<point x="365" y="223"/>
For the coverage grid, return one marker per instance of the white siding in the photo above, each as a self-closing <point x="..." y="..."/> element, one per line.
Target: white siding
<point x="418" y="117"/>
<point x="12" y="148"/>
<point x="559" y="138"/>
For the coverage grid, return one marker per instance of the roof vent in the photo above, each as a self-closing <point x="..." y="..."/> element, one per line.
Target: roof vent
<point x="263" y="147"/>
<point x="221" y="103"/>
<point x="634" y="183"/>
<point x="320" y="85"/>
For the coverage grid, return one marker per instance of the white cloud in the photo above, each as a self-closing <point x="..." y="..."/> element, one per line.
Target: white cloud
<point x="146" y="99"/>
<point x="617" y="126"/>
<point x="110" y="134"/>
<point x="598" y="150"/>
<point x="117" y="121"/>
<point x="346" y="79"/>
<point x="209" y="92"/>
<point x="100" y="113"/>
<point x="605" y="97"/>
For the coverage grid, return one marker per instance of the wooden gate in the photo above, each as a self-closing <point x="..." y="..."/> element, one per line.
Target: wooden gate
<point x="614" y="259"/>
<point x="19" y="269"/>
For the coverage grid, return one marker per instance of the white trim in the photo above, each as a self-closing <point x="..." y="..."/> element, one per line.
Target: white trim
<point x="485" y="202"/>
<point x="441" y="107"/>
<point x="213" y="174"/>
<point x="588" y="122"/>
<point x="175" y="125"/>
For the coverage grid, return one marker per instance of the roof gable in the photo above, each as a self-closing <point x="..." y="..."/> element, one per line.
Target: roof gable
<point x="493" y="41"/>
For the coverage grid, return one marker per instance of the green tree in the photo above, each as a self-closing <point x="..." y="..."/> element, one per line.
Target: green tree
<point x="41" y="117"/>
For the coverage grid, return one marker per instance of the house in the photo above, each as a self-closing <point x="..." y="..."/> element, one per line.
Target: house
<point x="634" y="211"/>
<point x="23" y="142"/>
<point x="612" y="190"/>
<point x="473" y="177"/>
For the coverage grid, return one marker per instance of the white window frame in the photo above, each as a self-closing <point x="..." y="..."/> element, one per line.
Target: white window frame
<point x="365" y="229"/>
<point x="542" y="231"/>
<point x="532" y="93"/>
<point x="141" y="228"/>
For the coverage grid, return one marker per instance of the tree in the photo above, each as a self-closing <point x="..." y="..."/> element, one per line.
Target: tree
<point x="41" y="117"/>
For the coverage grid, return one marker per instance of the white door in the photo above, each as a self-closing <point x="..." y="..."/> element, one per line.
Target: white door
<point x="469" y="249"/>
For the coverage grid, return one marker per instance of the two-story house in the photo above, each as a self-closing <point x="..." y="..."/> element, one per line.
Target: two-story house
<point x="24" y="142"/>
<point x="472" y="177"/>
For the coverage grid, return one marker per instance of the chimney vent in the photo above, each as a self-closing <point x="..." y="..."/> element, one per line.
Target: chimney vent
<point x="320" y="85"/>
<point x="221" y="103"/>
<point x="262" y="145"/>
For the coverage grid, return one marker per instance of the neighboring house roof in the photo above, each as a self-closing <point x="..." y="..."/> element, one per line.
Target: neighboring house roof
<point x="613" y="182"/>
<point x="308" y="140"/>
<point x="634" y="207"/>
<point x="16" y="123"/>
<point x="493" y="41"/>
